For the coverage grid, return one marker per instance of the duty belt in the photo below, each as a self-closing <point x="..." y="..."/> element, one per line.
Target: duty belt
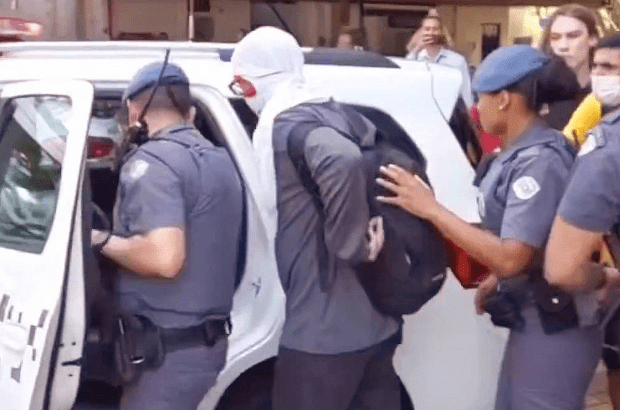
<point x="205" y="334"/>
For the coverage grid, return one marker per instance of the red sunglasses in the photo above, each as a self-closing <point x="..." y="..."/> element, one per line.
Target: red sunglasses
<point x="242" y="87"/>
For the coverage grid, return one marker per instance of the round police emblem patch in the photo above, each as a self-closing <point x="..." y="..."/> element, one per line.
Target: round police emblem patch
<point x="589" y="144"/>
<point x="525" y="187"/>
<point x="137" y="169"/>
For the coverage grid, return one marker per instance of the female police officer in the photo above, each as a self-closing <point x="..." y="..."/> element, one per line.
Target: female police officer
<point x="549" y="361"/>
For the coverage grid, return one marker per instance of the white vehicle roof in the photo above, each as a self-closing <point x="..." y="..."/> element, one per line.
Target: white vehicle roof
<point x="205" y="64"/>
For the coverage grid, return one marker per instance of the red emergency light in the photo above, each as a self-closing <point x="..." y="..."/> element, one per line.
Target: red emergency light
<point x="99" y="148"/>
<point x="14" y="29"/>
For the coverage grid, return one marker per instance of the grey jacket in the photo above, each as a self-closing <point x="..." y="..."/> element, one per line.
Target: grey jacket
<point x="341" y="318"/>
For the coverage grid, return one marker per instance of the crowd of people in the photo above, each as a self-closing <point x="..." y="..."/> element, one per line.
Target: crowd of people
<point x="549" y="196"/>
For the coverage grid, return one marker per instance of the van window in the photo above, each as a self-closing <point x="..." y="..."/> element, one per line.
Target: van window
<point x="248" y="118"/>
<point x="466" y="132"/>
<point x="33" y="133"/>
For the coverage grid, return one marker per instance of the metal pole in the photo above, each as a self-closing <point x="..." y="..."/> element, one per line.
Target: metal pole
<point x="190" y="20"/>
<point x="110" y="13"/>
<point x="361" y="22"/>
<point x="362" y="27"/>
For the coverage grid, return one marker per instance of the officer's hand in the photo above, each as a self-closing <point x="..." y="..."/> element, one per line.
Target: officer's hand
<point x="410" y="192"/>
<point x="97" y="238"/>
<point x="486" y="288"/>
<point x="376" y="238"/>
<point x="606" y="294"/>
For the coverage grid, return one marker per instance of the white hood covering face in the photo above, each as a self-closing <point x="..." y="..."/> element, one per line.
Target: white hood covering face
<point x="273" y="62"/>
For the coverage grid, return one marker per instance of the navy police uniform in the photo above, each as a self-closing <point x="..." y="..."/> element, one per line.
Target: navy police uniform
<point x="592" y="200"/>
<point x="519" y="195"/>
<point x="179" y="179"/>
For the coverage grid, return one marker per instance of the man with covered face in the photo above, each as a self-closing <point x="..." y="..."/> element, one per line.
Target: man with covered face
<point x="336" y="348"/>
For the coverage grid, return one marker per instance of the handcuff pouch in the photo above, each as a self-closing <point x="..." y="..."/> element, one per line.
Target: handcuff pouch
<point x="138" y="347"/>
<point x="556" y="308"/>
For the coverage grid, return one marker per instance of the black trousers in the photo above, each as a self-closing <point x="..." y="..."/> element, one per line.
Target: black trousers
<point x="349" y="381"/>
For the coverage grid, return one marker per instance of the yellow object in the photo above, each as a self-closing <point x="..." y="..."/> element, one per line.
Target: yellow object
<point x="585" y="117"/>
<point x="606" y="258"/>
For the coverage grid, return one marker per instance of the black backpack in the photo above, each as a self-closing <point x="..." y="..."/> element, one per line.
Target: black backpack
<point x="411" y="267"/>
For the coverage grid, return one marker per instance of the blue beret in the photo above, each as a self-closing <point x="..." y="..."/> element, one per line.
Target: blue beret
<point x="506" y="66"/>
<point x="148" y="75"/>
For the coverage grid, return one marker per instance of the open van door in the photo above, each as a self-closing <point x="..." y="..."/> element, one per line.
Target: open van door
<point x="43" y="127"/>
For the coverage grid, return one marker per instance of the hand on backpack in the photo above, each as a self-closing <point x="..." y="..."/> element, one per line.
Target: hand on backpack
<point x="376" y="238"/>
<point x="411" y="193"/>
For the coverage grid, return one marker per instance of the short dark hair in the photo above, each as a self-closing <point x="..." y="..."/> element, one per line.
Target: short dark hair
<point x="611" y="41"/>
<point x="171" y="97"/>
<point x="528" y="89"/>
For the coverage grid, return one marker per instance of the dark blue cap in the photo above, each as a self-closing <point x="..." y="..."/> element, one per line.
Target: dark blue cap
<point x="148" y="75"/>
<point x="507" y="66"/>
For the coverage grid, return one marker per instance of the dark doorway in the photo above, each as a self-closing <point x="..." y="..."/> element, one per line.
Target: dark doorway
<point x="490" y="38"/>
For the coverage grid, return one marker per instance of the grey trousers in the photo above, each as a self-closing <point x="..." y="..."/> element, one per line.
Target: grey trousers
<point x="547" y="372"/>
<point x="348" y="381"/>
<point x="180" y="383"/>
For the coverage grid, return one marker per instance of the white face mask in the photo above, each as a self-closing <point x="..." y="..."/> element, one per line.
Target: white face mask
<point x="256" y="103"/>
<point x="265" y="87"/>
<point x="606" y="89"/>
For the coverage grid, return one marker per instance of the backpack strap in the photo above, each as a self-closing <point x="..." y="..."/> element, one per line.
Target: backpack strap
<point x="295" y="145"/>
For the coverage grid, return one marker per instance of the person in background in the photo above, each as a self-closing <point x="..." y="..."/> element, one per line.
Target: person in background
<point x="415" y="43"/>
<point x="571" y="35"/>
<point x="590" y="208"/>
<point x="350" y="39"/>
<point x="549" y="360"/>
<point x="432" y="50"/>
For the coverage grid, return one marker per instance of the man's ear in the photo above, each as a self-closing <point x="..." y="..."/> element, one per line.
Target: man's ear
<point x="133" y="112"/>
<point x="191" y="115"/>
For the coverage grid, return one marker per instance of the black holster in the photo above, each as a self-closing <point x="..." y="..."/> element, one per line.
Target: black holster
<point x="141" y="345"/>
<point x="138" y="347"/>
<point x="505" y="310"/>
<point x="556" y="308"/>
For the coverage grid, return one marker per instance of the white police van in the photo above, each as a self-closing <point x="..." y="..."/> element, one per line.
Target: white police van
<point x="55" y="168"/>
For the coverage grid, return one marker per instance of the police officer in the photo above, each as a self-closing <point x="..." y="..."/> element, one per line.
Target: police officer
<point x="519" y="193"/>
<point x="177" y="228"/>
<point x="590" y="207"/>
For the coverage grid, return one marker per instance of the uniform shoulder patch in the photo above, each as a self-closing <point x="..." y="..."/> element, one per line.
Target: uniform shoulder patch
<point x="525" y="187"/>
<point x="595" y="139"/>
<point x="137" y="169"/>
